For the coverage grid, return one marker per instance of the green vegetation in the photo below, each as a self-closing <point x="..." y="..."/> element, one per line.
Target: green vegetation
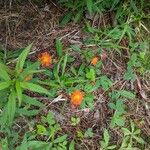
<point x="80" y="93"/>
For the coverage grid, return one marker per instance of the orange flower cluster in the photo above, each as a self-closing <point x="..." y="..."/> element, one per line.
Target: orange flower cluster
<point x="76" y="98"/>
<point x="94" y="60"/>
<point x="45" y="59"/>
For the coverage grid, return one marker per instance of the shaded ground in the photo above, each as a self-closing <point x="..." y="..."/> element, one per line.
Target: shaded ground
<point x="22" y="24"/>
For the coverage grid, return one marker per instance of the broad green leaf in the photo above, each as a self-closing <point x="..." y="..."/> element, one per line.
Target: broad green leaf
<point x="125" y="142"/>
<point x="126" y="131"/>
<point x="26" y="112"/>
<point x="22" y="58"/>
<point x="89" y="87"/>
<point x="120" y="121"/>
<point x="117" y="119"/>
<point x="72" y="69"/>
<point x="50" y="118"/>
<point x="88" y="133"/>
<point x="19" y="92"/>
<point x="32" y="101"/>
<point x="103" y="144"/>
<point x="120" y="106"/>
<point x="72" y="145"/>
<point x="34" y="87"/>
<point x="139" y="139"/>
<point x="132" y="126"/>
<point x="129" y="75"/>
<point x="11" y="107"/>
<point x="59" y="47"/>
<point x="91" y="75"/>
<point x="112" y="106"/>
<point x="126" y="94"/>
<point x="105" y="82"/>
<point x="111" y="147"/>
<point x="60" y="139"/>
<point x="3" y="72"/>
<point x="4" y="85"/>
<point x="106" y="136"/>
<point x="138" y="131"/>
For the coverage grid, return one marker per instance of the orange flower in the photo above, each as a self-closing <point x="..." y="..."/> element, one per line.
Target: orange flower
<point x="45" y="59"/>
<point x="94" y="60"/>
<point x="28" y="78"/>
<point x="76" y="98"/>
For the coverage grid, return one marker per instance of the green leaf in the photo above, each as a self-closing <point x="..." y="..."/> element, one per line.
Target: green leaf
<point x="129" y="75"/>
<point x="132" y="126"/>
<point x="4" y="85"/>
<point x="76" y="48"/>
<point x="126" y="131"/>
<point x="31" y="69"/>
<point x="50" y="118"/>
<point x="91" y="75"/>
<point x="117" y="119"/>
<point x="64" y="64"/>
<point x="72" y="145"/>
<point x="4" y="144"/>
<point x="125" y="142"/>
<point x="59" y="47"/>
<point x="11" y="107"/>
<point x="22" y="58"/>
<point x="19" y="92"/>
<point x="115" y="2"/>
<point x="24" y="145"/>
<point x="112" y="106"/>
<point x="89" y="4"/>
<point x="72" y="69"/>
<point x="26" y="112"/>
<point x="103" y="144"/>
<point x="37" y="145"/>
<point x="3" y="72"/>
<point x="89" y="88"/>
<point x="106" y="136"/>
<point x="133" y="5"/>
<point x="32" y="101"/>
<point x="120" y="106"/>
<point x="41" y="129"/>
<point x="126" y="94"/>
<point x="105" y="82"/>
<point x="60" y="139"/>
<point x="88" y="133"/>
<point x="138" y="131"/>
<point x="139" y="139"/>
<point x="34" y="87"/>
<point x="67" y="17"/>
<point x="78" y="16"/>
<point x="111" y="147"/>
<point x="3" y="118"/>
